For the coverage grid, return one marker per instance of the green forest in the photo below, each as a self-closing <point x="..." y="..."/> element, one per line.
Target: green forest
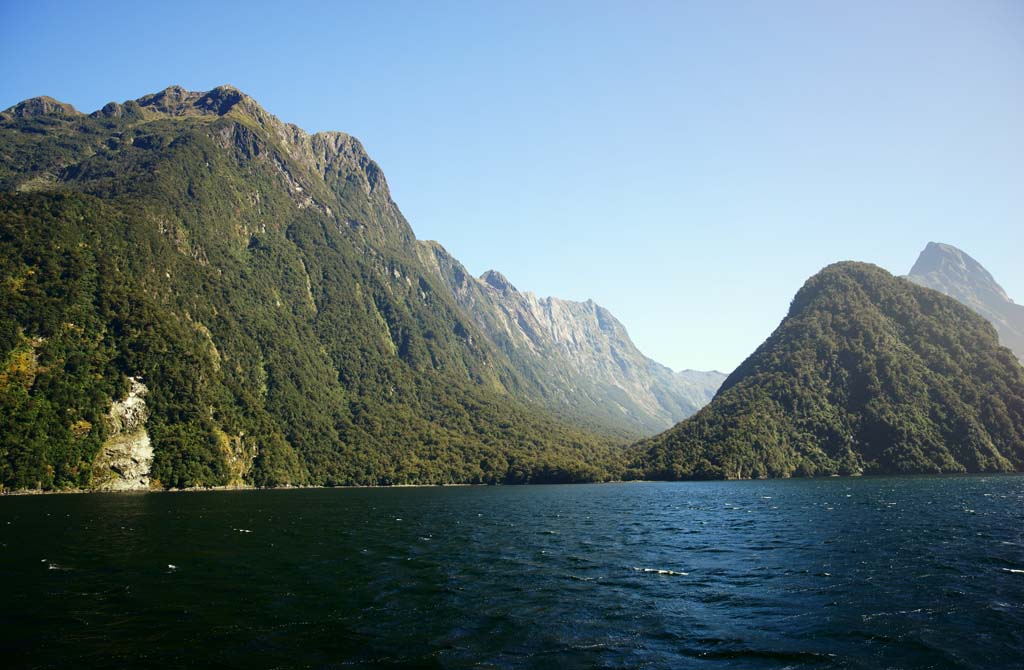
<point x="266" y="289"/>
<point x="867" y="374"/>
<point x="264" y="286"/>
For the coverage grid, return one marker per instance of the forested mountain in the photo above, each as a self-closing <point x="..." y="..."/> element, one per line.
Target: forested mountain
<point x="578" y="353"/>
<point x="947" y="269"/>
<point x="867" y="373"/>
<point x="185" y="278"/>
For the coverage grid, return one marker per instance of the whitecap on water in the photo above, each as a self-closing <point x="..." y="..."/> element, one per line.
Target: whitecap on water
<point x="1014" y="571"/>
<point x="658" y="571"/>
<point x="876" y="615"/>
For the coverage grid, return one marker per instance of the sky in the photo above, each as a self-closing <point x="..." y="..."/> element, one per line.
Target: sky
<point x="687" y="165"/>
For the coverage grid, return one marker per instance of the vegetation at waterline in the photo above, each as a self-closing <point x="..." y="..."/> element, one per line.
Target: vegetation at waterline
<point x="269" y="293"/>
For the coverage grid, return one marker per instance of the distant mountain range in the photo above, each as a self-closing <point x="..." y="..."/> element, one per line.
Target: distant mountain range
<point x="867" y="373"/>
<point x="195" y="293"/>
<point x="951" y="271"/>
<point x="577" y="352"/>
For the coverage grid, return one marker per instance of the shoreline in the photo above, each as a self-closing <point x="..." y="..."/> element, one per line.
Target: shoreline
<point x="203" y="489"/>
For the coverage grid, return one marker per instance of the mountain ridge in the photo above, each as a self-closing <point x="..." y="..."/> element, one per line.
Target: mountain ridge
<point x="951" y="271"/>
<point x="867" y="373"/>
<point x="266" y="290"/>
<point x="580" y="355"/>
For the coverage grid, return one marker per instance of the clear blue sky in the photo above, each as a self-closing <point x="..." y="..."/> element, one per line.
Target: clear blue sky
<point x="686" y="164"/>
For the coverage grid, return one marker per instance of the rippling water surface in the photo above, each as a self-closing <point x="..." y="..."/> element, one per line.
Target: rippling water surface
<point x="834" y="573"/>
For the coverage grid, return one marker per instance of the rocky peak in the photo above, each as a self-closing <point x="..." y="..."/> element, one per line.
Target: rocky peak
<point x="40" y="106"/>
<point x="949" y="270"/>
<point x="114" y="110"/>
<point x="498" y="281"/>
<point x="222" y="100"/>
<point x="335" y="156"/>
<point x="952" y="267"/>
<point x="173" y="100"/>
<point x="177" y="101"/>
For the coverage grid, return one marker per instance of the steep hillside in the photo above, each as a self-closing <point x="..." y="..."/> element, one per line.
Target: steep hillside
<point x="949" y="270"/>
<point x="577" y="353"/>
<point x="186" y="278"/>
<point x="867" y="373"/>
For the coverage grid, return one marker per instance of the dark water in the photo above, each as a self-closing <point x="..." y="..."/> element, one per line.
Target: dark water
<point x="834" y="573"/>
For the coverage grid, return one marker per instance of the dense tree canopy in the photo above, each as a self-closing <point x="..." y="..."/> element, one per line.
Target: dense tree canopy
<point x="266" y="288"/>
<point x="868" y="373"/>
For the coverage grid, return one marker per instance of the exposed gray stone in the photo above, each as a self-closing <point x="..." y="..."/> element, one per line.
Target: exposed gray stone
<point x="949" y="270"/>
<point x="126" y="457"/>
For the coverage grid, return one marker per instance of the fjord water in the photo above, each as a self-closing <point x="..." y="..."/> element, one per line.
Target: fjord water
<point x="924" y="572"/>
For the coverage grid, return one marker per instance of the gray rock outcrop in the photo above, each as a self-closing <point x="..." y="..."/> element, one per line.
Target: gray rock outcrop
<point x="949" y="270"/>
<point x="126" y="457"/>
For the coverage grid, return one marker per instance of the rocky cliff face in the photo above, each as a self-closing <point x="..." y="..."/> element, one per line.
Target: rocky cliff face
<point x="125" y="460"/>
<point x="949" y="270"/>
<point x="578" y="352"/>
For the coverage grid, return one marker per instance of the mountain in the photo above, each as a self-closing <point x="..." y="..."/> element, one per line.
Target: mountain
<point x="867" y="373"/>
<point x="577" y="353"/>
<point x="194" y="293"/>
<point x="947" y="269"/>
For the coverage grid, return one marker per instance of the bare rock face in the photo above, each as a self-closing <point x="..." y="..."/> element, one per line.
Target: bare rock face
<point x="949" y="270"/>
<point x="40" y="106"/>
<point x="578" y="352"/>
<point x="125" y="459"/>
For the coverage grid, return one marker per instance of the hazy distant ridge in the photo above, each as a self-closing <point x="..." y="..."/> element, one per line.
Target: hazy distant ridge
<point x="578" y="352"/>
<point x="945" y="268"/>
